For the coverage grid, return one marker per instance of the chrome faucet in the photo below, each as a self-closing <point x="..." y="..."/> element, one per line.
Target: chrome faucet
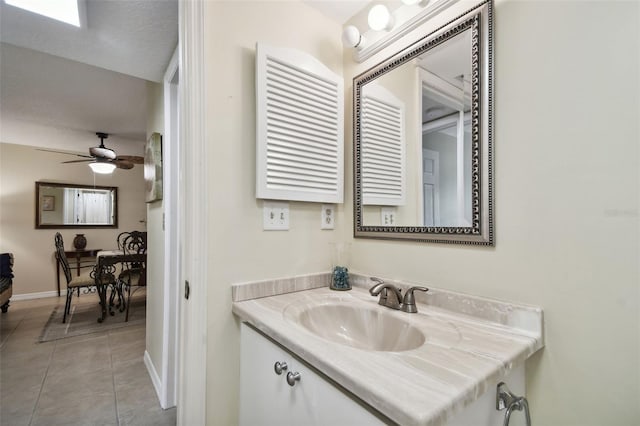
<point x="390" y="296"/>
<point x="409" y="301"/>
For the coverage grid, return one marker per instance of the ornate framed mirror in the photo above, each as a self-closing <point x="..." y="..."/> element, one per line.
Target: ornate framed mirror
<point x="423" y="138"/>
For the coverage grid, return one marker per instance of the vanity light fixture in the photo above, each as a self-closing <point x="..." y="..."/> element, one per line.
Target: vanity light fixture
<point x="351" y="37"/>
<point x="380" y="18"/>
<point x="102" y="167"/>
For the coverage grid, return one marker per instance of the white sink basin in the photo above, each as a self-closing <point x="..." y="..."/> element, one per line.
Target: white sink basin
<point x="358" y="326"/>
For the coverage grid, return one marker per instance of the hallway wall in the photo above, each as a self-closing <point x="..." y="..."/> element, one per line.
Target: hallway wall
<point x="155" y="241"/>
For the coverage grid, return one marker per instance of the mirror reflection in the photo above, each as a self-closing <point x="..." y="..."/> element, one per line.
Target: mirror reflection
<point x="416" y="140"/>
<point x="422" y="162"/>
<point x="445" y="74"/>
<point x="61" y="205"/>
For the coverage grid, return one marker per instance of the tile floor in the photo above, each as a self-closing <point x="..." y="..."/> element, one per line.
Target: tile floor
<point x="95" y="379"/>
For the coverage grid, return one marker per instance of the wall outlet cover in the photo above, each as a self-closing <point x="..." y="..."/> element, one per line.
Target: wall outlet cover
<point x="328" y="216"/>
<point x="388" y="216"/>
<point x="275" y="215"/>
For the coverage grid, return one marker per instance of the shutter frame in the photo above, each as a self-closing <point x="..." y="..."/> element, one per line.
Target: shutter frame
<point x="299" y="127"/>
<point x="382" y="147"/>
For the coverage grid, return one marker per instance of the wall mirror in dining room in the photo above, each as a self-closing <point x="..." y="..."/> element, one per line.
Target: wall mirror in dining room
<point x="69" y="205"/>
<point x="423" y="148"/>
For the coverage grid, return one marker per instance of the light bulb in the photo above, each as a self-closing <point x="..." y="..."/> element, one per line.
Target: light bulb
<point x="380" y="18"/>
<point x="351" y="37"/>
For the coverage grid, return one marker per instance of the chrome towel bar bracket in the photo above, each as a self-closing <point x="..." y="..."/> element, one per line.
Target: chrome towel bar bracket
<point x="505" y="399"/>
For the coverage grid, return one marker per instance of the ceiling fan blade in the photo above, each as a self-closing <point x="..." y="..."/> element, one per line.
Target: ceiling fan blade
<point x="63" y="152"/>
<point x="79" y="161"/>
<point x="123" y="164"/>
<point x="131" y="159"/>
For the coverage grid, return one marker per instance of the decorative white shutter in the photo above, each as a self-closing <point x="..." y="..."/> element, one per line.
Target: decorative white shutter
<point x="382" y="147"/>
<point x="300" y="127"/>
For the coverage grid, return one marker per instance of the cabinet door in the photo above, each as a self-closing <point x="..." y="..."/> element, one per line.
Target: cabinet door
<point x="267" y="399"/>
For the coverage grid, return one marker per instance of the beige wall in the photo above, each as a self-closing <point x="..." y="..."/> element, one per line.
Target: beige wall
<point x="20" y="167"/>
<point x="155" y="242"/>
<point x="567" y="205"/>
<point x="239" y="249"/>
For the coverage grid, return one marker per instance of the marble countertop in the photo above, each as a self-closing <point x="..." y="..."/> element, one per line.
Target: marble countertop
<point x="466" y="351"/>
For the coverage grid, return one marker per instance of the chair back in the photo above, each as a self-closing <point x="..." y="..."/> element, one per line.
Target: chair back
<point x="62" y="258"/>
<point x="121" y="237"/>
<point x="134" y="242"/>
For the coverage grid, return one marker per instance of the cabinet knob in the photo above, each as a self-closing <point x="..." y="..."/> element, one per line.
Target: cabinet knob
<point x="292" y="378"/>
<point x="279" y="367"/>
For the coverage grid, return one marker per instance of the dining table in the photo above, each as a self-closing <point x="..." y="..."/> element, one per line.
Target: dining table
<point x="107" y="262"/>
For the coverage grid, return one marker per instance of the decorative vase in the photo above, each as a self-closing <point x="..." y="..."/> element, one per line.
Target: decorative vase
<point x="79" y="242"/>
<point x="340" y="254"/>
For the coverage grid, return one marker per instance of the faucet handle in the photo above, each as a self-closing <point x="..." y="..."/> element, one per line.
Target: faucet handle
<point x="409" y="300"/>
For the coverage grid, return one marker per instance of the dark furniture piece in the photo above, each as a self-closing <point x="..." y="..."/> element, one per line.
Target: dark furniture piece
<point x="87" y="280"/>
<point x="134" y="272"/>
<point x="106" y="264"/>
<point x="85" y="258"/>
<point x="6" y="280"/>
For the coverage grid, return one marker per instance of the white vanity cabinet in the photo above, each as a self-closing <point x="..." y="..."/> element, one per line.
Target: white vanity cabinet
<point x="449" y="380"/>
<point x="267" y="399"/>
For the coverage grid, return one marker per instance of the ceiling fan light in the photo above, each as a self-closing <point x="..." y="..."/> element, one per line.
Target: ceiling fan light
<point x="102" y="168"/>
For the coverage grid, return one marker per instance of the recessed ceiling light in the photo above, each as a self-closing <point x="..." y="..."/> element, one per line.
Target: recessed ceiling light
<point x="60" y="10"/>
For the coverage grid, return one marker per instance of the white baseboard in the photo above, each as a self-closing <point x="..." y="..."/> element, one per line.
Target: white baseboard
<point x="155" y="379"/>
<point x="41" y="295"/>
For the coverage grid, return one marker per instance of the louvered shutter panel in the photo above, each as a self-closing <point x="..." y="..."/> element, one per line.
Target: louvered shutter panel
<point x="382" y="147"/>
<point x="300" y="127"/>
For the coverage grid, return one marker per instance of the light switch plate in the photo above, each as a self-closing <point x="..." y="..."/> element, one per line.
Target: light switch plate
<point x="275" y="215"/>
<point x="328" y="216"/>
<point x="388" y="216"/>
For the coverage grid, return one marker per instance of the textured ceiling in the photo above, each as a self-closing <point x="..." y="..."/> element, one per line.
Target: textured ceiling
<point x="57" y="92"/>
<point x="59" y="80"/>
<point x="56" y="79"/>
<point x="133" y="37"/>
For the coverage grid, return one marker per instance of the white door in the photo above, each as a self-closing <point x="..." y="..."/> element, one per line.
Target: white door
<point x="431" y="187"/>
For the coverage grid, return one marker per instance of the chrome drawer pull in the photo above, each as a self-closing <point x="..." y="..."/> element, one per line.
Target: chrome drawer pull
<point x="292" y="378"/>
<point x="279" y="367"/>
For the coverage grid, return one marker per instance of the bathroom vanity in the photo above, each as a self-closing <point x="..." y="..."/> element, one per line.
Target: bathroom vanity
<point x="323" y="357"/>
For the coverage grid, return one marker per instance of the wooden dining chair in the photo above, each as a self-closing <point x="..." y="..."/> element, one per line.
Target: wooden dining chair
<point x="133" y="273"/>
<point x="86" y="280"/>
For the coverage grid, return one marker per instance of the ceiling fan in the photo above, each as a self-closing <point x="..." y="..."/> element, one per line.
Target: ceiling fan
<point x="103" y="159"/>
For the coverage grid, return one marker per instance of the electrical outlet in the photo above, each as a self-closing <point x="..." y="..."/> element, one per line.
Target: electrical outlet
<point x="275" y="215"/>
<point x="388" y="216"/>
<point x="327" y="216"/>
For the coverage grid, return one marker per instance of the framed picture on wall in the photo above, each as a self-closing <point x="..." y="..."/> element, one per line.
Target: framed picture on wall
<point x="153" y="168"/>
<point x="48" y="203"/>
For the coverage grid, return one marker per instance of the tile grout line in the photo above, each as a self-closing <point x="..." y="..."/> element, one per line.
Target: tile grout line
<point x="4" y="342"/>
<point x="44" y="379"/>
<point x="113" y="380"/>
